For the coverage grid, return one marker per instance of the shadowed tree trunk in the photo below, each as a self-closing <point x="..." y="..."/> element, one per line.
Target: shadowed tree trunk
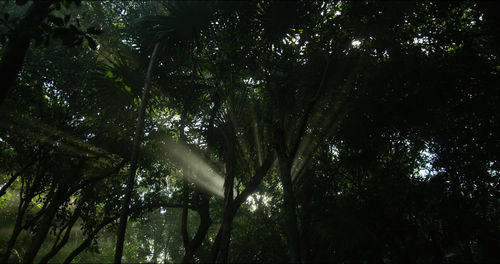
<point x="86" y="243"/>
<point x="286" y="146"/>
<point x="60" y="196"/>
<point x="23" y="206"/>
<point x="188" y="255"/>
<point x="64" y="191"/>
<point x="203" y="210"/>
<point x="58" y="245"/>
<point x="15" y="50"/>
<point x="217" y="254"/>
<point x="157" y="237"/>
<point x="120" y="236"/>
<point x="205" y="222"/>
<point x="228" y="206"/>
<point x="6" y="186"/>
<point x="285" y="168"/>
<point x="29" y="190"/>
<point x="186" y="241"/>
<point x="221" y="246"/>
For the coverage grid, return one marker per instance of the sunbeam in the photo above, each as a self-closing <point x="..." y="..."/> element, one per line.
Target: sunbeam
<point x="48" y="134"/>
<point x="203" y="175"/>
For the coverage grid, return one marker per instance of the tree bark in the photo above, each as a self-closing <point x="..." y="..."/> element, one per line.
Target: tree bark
<point x="15" y="51"/>
<point x="62" y="194"/>
<point x="133" y="160"/>
<point x="15" y="176"/>
<point x="228" y="202"/>
<point x="218" y="254"/>
<point x="188" y="254"/>
<point x="87" y="241"/>
<point x="285" y="167"/>
<point x="58" y="245"/>
<point x="23" y="206"/>
<point x="220" y="248"/>
<point x="44" y="226"/>
<point x="192" y="246"/>
<point x="205" y="222"/>
<point x="186" y="241"/>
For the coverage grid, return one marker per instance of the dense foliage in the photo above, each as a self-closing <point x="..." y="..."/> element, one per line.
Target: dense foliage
<point x="246" y="131"/>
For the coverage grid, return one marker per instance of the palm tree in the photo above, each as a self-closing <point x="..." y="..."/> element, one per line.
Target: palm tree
<point x="179" y="27"/>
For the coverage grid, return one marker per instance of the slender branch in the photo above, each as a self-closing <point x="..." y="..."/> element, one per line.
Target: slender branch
<point x="15" y="176"/>
<point x="89" y="181"/>
<point x="303" y="123"/>
<point x="59" y="244"/>
<point x="254" y="182"/>
<point x="86" y="243"/>
<point x="134" y="157"/>
<point x="21" y="210"/>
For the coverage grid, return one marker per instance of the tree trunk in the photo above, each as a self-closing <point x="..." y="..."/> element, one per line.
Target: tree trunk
<point x="23" y="206"/>
<point x="87" y="241"/>
<point x="120" y="237"/>
<point x="222" y="257"/>
<point x="17" y="229"/>
<point x="307" y="224"/>
<point x="224" y="234"/>
<point x="220" y="248"/>
<point x="188" y="254"/>
<point x="157" y="238"/>
<point x="192" y="246"/>
<point x="228" y="201"/>
<point x="59" y="245"/>
<point x="205" y="222"/>
<point x="6" y="186"/>
<point x="62" y="194"/>
<point x="15" y="51"/>
<point x="44" y="226"/>
<point x="285" y="168"/>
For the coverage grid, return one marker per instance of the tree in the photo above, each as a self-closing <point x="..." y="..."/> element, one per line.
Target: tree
<point x="275" y="131"/>
<point x="31" y="27"/>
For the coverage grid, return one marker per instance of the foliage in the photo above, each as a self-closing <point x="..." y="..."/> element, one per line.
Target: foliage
<point x="383" y="116"/>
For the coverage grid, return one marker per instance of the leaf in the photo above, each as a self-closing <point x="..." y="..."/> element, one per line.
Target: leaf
<point x="128" y="89"/>
<point x="109" y="74"/>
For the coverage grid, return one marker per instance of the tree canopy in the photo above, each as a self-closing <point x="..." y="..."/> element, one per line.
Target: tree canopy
<point x="249" y="131"/>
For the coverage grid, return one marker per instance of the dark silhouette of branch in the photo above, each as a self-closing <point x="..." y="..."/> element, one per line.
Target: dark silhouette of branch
<point x="15" y="51"/>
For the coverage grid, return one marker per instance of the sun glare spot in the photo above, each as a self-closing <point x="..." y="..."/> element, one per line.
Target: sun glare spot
<point x="257" y="199"/>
